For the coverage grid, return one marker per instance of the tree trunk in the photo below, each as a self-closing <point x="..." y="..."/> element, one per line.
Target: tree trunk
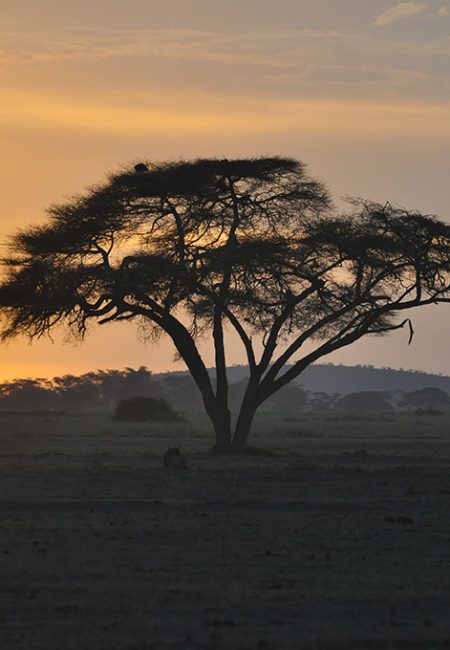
<point x="217" y="411"/>
<point x="244" y="425"/>
<point x="222" y="428"/>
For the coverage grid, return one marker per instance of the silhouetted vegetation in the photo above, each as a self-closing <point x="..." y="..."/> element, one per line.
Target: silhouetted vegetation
<point x="93" y="391"/>
<point x="187" y="248"/>
<point x="428" y="400"/>
<point x="145" y="409"/>
<point x="364" y="402"/>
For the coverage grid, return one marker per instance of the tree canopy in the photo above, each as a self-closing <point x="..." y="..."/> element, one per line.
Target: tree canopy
<point x="189" y="248"/>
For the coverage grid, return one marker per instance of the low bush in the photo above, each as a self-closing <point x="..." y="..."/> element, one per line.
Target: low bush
<point x="145" y="409"/>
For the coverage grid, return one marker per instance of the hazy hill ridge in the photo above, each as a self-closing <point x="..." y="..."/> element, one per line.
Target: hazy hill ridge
<point x="330" y="378"/>
<point x="347" y="379"/>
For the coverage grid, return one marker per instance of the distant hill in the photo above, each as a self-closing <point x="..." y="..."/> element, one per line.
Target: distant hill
<point x="329" y="378"/>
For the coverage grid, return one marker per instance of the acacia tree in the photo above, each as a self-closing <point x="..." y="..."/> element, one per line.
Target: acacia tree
<point x="189" y="248"/>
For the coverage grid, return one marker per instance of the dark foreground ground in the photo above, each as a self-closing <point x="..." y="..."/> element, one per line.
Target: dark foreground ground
<point x="341" y="541"/>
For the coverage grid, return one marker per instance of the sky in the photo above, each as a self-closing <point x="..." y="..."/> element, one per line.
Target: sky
<point x="357" y="89"/>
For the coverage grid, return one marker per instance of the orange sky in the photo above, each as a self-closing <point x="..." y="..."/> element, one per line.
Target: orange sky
<point x="359" y="91"/>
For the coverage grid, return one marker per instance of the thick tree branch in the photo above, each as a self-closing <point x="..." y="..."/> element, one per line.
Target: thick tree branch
<point x="246" y="340"/>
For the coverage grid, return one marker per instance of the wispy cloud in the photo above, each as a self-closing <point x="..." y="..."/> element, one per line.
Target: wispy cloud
<point x="213" y="115"/>
<point x="271" y="48"/>
<point x="341" y="74"/>
<point x="299" y="60"/>
<point x="399" y="12"/>
<point x="98" y="44"/>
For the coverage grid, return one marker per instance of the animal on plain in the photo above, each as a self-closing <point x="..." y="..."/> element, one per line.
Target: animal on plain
<point x="173" y="458"/>
<point x="141" y="168"/>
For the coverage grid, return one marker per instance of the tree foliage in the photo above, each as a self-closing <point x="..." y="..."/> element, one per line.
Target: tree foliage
<point x="189" y="248"/>
<point x="426" y="399"/>
<point x="364" y="402"/>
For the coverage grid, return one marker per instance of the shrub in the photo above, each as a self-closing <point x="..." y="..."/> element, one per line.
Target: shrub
<point x="145" y="409"/>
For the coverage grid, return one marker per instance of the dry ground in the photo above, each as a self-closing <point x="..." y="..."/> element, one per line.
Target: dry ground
<point x="341" y="541"/>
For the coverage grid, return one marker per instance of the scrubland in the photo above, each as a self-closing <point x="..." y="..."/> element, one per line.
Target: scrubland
<point x="340" y="540"/>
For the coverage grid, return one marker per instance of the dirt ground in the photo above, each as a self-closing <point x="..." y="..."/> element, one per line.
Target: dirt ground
<point x="340" y="541"/>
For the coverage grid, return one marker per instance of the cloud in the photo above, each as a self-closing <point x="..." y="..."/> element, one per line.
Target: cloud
<point x="444" y="11"/>
<point x="269" y="48"/>
<point x="293" y="60"/>
<point x="400" y="11"/>
<point x="98" y="44"/>
<point x="341" y="74"/>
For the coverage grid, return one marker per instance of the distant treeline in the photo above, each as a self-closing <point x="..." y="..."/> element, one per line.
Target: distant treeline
<point x="324" y="387"/>
<point x="93" y="391"/>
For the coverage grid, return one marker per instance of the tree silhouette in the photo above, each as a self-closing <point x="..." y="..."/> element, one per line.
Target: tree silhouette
<point x="189" y="248"/>
<point x="427" y="399"/>
<point x="365" y="401"/>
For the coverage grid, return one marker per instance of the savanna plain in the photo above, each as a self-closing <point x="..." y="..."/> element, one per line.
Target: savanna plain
<point x="339" y="540"/>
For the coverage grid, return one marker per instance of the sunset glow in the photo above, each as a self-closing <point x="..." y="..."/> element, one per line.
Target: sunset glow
<point x="207" y="115"/>
<point x="358" y="91"/>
